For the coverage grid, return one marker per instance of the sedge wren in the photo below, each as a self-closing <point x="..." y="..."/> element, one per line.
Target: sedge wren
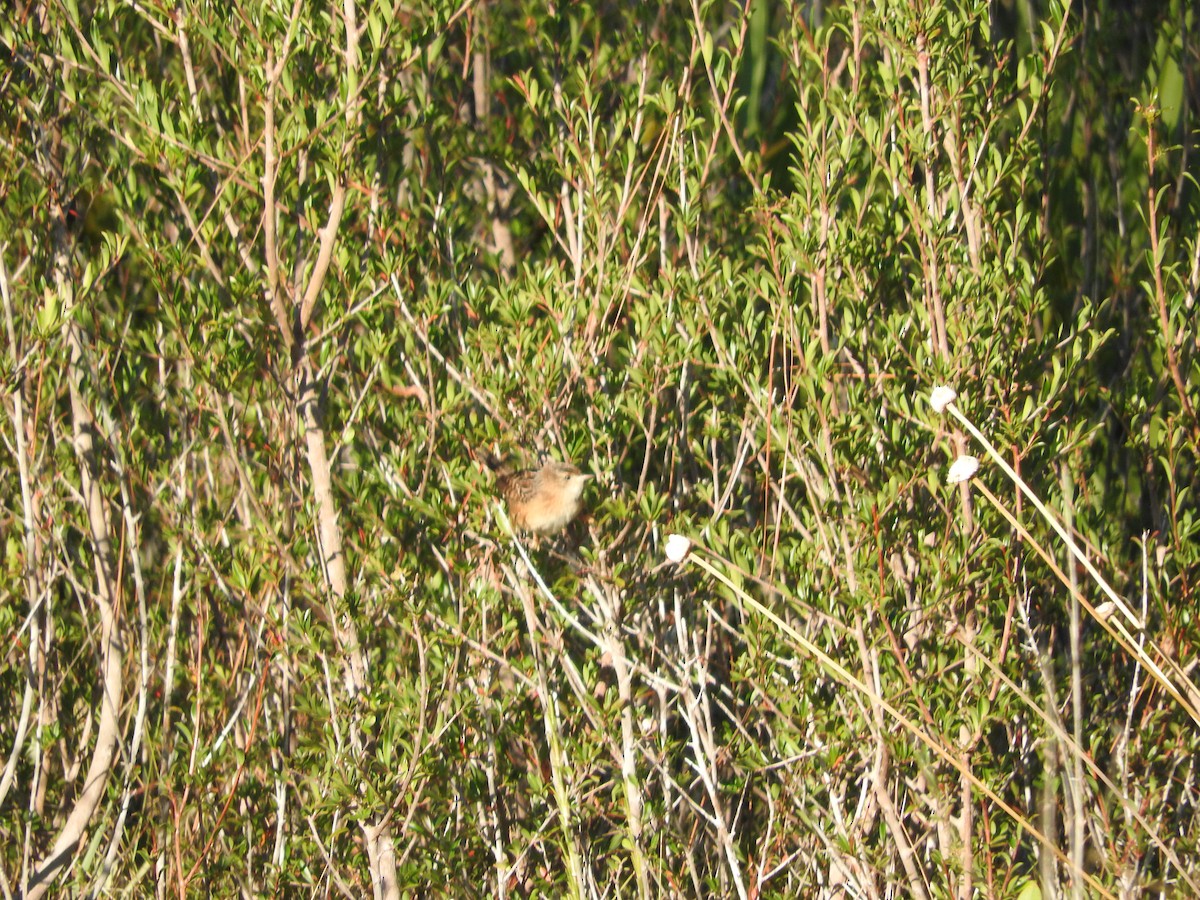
<point x="541" y="500"/>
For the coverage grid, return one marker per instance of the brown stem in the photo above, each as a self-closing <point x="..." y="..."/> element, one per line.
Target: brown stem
<point x="1160" y="294"/>
<point x="105" y="596"/>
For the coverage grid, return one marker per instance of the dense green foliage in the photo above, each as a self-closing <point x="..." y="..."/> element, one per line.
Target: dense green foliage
<point x="277" y="278"/>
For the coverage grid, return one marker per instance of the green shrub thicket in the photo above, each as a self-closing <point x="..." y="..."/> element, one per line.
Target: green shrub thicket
<point x="277" y="278"/>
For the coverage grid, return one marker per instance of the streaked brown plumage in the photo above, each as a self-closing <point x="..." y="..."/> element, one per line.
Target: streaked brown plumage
<point x="541" y="500"/>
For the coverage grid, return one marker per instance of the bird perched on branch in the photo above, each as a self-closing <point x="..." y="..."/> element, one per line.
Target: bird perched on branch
<point x="541" y="500"/>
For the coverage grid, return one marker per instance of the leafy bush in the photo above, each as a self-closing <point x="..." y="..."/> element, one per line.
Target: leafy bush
<point x="277" y="280"/>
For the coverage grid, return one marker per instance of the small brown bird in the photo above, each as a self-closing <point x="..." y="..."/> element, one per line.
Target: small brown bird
<point x="541" y="500"/>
